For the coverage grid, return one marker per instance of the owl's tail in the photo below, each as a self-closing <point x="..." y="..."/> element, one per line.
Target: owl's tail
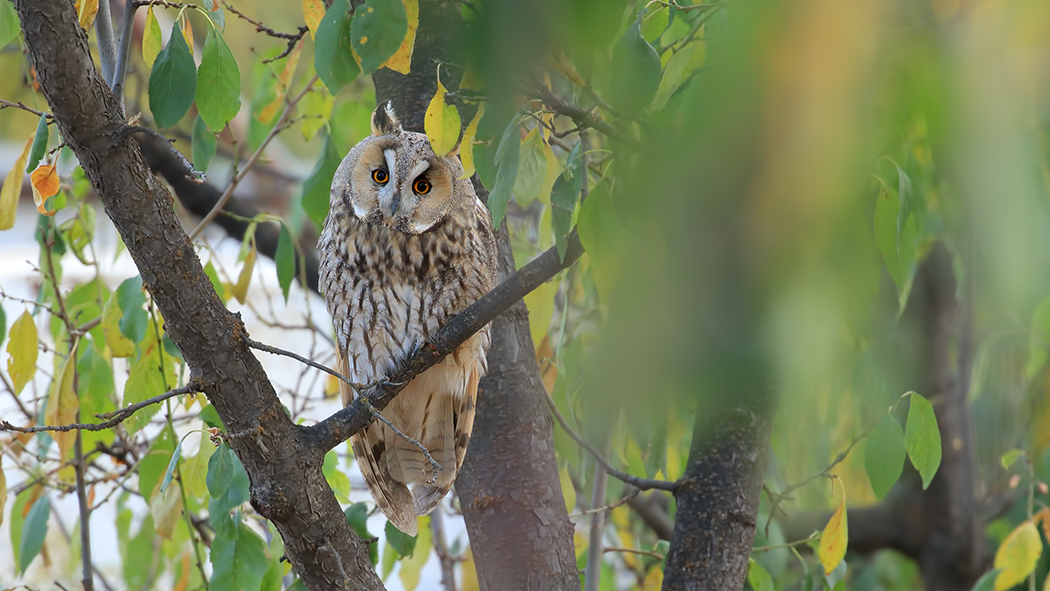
<point x="437" y="410"/>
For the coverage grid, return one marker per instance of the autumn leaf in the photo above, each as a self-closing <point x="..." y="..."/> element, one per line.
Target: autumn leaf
<point x="62" y="403"/>
<point x="833" y="540"/>
<point x="401" y="61"/>
<point x="152" y="39"/>
<point x="466" y="151"/>
<point x="86" y="10"/>
<point x="12" y="187"/>
<point x="1017" y="555"/>
<point x="313" y="12"/>
<point x="45" y="185"/>
<point x="240" y="290"/>
<point x="22" y="351"/>
<point x="441" y="123"/>
<point x="187" y="33"/>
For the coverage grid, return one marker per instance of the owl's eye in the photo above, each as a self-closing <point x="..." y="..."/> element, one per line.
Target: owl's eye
<point x="380" y="176"/>
<point x="421" y="186"/>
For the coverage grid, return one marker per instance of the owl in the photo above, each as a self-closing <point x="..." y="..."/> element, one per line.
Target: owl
<point x="406" y="245"/>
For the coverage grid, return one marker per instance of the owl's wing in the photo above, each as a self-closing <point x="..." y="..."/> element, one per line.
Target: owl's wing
<point x="371" y="450"/>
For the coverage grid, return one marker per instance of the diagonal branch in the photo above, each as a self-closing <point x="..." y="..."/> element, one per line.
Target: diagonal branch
<point x="335" y="429"/>
<point x="115" y="417"/>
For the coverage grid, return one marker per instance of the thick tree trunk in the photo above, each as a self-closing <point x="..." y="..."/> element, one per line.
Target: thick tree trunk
<point x="288" y="487"/>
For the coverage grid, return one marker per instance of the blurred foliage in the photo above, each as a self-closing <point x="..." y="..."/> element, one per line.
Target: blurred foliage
<point x="757" y="188"/>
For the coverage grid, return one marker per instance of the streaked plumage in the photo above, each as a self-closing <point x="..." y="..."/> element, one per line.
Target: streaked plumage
<point x="395" y="266"/>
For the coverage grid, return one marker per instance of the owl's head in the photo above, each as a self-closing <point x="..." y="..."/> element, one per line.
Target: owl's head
<point x="394" y="178"/>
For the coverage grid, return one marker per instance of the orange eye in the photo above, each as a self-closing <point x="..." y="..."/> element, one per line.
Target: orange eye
<point x="380" y="176"/>
<point x="421" y="186"/>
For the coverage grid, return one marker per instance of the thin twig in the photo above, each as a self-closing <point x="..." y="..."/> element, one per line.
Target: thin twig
<point x="447" y="561"/>
<point x="20" y="105"/>
<point x="292" y="38"/>
<point x="118" y="416"/>
<point x="195" y="175"/>
<point x="635" y="551"/>
<point x="609" y="507"/>
<point x="434" y="466"/>
<point x="237" y="178"/>
<point x="641" y="483"/>
<point x="582" y="117"/>
<point x="593" y="572"/>
<point x="85" y="511"/>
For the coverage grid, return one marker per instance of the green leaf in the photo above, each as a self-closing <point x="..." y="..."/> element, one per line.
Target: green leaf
<point x="8" y="23"/>
<point x="138" y="555"/>
<point x="1010" y="457"/>
<point x="33" y="531"/>
<point x="134" y="321"/>
<point x="213" y="276"/>
<point x="172" y="464"/>
<point x="173" y="81"/>
<point x="194" y="472"/>
<point x="638" y="70"/>
<point x="150" y="375"/>
<point x="403" y="544"/>
<point x="987" y="582"/>
<point x="655" y="22"/>
<point x="532" y="168"/>
<point x="39" y="144"/>
<point x="898" y="249"/>
<point x="357" y="517"/>
<point x="237" y="493"/>
<point x="285" y="259"/>
<point x="379" y="27"/>
<point x="412" y="566"/>
<point x="506" y="172"/>
<point x="238" y="562"/>
<point x="153" y="465"/>
<point x="218" y="83"/>
<point x="96" y="376"/>
<point x="204" y="145"/>
<point x="884" y="453"/>
<point x="210" y="416"/>
<point x="220" y="472"/>
<point x="758" y="577"/>
<point x="317" y="187"/>
<point x="17" y="521"/>
<point x="339" y="482"/>
<point x="563" y="208"/>
<point x="923" y="438"/>
<point x="1039" y="338"/>
<point x="333" y="59"/>
<point x="3" y="324"/>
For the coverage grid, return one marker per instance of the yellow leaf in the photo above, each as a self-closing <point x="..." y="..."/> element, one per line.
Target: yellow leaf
<point x="568" y="491"/>
<point x="540" y="303"/>
<point x="166" y="509"/>
<point x="466" y="151"/>
<point x="470" y="574"/>
<point x="283" y="79"/>
<point x="119" y="345"/>
<point x="313" y="12"/>
<point x="654" y="581"/>
<point x="45" y="185"/>
<point x="187" y="33"/>
<point x="563" y="65"/>
<point x="240" y="291"/>
<point x="401" y="61"/>
<point x="86" y="10"/>
<point x="1017" y="555"/>
<point x="13" y="187"/>
<point x="152" y="39"/>
<point x="22" y="349"/>
<point x="194" y="471"/>
<point x="315" y="109"/>
<point x="833" y="540"/>
<point x="331" y="386"/>
<point x="441" y="123"/>
<point x="411" y="566"/>
<point x="62" y="403"/>
<point x="553" y="171"/>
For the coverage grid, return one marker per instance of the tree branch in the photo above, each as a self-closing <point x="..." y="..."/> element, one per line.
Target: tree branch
<point x="118" y="416"/>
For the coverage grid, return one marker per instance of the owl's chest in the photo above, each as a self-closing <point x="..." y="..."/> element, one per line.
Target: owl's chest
<point x="386" y="296"/>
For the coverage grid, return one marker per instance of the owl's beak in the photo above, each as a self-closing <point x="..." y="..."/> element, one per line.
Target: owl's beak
<point x="395" y="202"/>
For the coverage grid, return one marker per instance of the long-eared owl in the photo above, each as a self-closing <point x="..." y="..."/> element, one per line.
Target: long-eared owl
<point x="407" y="245"/>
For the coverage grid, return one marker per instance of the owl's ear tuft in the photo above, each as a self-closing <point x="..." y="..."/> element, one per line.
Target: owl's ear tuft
<point x="384" y="120"/>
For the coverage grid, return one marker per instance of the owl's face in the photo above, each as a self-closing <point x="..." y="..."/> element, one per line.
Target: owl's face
<point x="393" y="178"/>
